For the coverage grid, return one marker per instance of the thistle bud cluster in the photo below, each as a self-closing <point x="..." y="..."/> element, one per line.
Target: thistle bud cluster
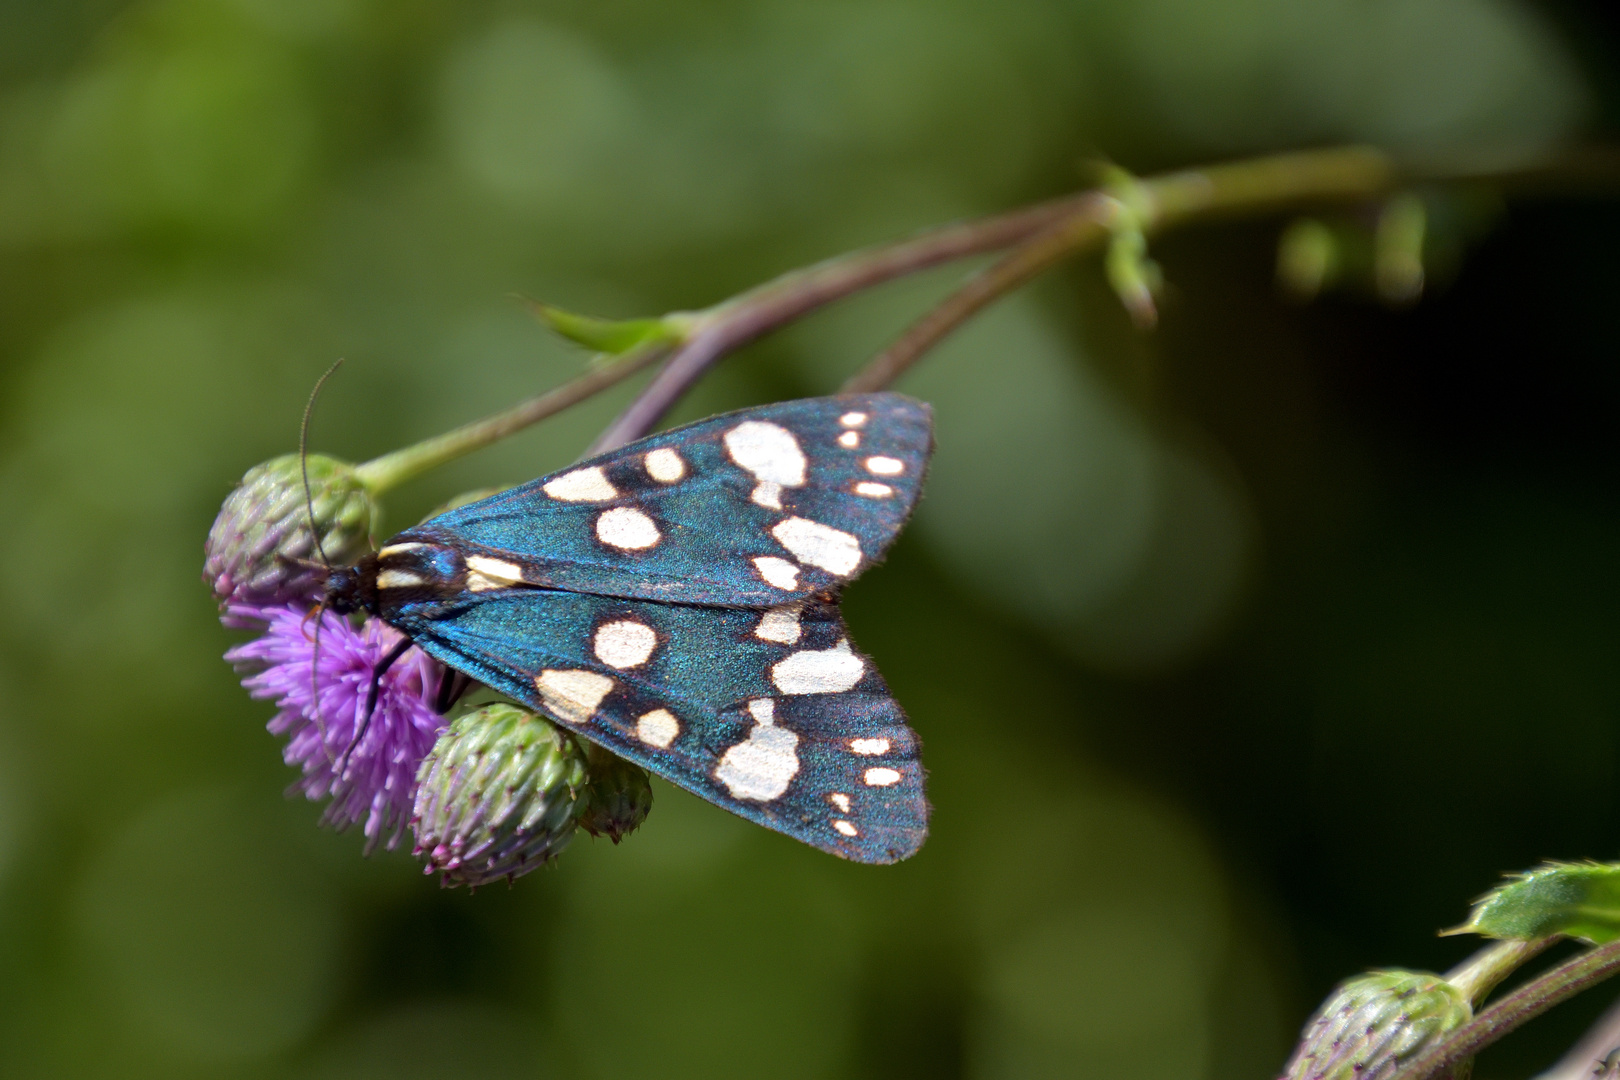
<point x="493" y="795"/>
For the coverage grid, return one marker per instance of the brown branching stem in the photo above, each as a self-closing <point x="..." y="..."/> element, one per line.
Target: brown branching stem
<point x="776" y="303"/>
<point x="1046" y="234"/>
<point x="1039" y="236"/>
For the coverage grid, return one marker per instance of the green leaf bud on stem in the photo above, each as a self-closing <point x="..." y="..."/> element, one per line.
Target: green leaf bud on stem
<point x="1374" y="1022"/>
<point x="1308" y="259"/>
<point x="612" y="336"/>
<point x="260" y="549"/>
<point x="1398" y="268"/>
<point x="498" y="796"/>
<point x="619" y="797"/>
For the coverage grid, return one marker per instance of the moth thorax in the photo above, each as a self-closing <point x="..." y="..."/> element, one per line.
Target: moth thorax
<point x="353" y="588"/>
<point x="412" y="570"/>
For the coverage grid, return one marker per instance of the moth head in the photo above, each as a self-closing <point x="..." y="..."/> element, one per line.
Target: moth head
<point x="352" y="588"/>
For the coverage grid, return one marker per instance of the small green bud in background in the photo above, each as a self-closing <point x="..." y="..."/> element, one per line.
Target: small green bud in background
<point x="619" y="797"/>
<point x="1136" y="279"/>
<point x="1308" y="259"/>
<point x="1398" y="269"/>
<point x="498" y="796"/>
<point x="263" y="528"/>
<point x="1374" y="1022"/>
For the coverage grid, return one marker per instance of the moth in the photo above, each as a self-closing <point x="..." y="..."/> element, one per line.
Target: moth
<point x="676" y="601"/>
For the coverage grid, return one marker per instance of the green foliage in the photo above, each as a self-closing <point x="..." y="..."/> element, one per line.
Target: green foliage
<point x="1579" y="900"/>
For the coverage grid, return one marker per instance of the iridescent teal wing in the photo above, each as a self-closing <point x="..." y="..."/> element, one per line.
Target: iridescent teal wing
<point x="749" y="509"/>
<point x="770" y="713"/>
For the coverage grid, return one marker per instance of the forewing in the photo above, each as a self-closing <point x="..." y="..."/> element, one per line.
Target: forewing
<point x="770" y="714"/>
<point x="748" y="509"/>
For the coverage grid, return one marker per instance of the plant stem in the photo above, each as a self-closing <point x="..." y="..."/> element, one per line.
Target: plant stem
<point x="390" y="470"/>
<point x="1518" y="1008"/>
<point x="1026" y="261"/>
<point x="1041" y="235"/>
<point x="1270" y="183"/>
<point x="758" y="311"/>
<point x="1477" y="976"/>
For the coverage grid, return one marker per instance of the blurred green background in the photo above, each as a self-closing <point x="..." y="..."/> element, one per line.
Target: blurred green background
<point x="1244" y="653"/>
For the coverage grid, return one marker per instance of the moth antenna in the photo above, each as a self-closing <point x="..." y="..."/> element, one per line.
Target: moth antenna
<point x="303" y="459"/>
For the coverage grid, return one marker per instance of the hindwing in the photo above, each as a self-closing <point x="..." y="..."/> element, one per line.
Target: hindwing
<point x="749" y="509"/>
<point x="769" y="713"/>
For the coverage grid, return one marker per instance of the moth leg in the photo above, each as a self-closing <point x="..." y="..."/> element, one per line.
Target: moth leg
<point x="371" y="697"/>
<point x="452" y="686"/>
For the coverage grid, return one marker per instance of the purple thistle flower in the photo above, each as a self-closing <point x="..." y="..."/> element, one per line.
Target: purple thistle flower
<point x="376" y="781"/>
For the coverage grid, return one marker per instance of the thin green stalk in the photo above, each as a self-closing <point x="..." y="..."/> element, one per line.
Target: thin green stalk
<point x="390" y="470"/>
<point x="1477" y="976"/>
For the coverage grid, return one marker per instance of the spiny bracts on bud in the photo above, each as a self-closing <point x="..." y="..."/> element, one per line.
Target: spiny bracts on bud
<point x="619" y="797"/>
<point x="260" y="549"/>
<point x="1374" y="1022"/>
<point x="498" y="796"/>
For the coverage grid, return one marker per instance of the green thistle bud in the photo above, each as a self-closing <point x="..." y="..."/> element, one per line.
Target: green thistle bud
<point x="265" y="523"/>
<point x="1372" y="1023"/>
<point x="619" y="796"/>
<point x="498" y="796"/>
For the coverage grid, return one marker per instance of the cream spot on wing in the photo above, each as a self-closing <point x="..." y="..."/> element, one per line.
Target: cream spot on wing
<point x="625" y="643"/>
<point x="760" y="768"/>
<point x="399" y="549"/>
<point x="881" y="777"/>
<point x="485" y="573"/>
<point x="834" y="550"/>
<point x="658" y="728"/>
<point x="664" y="465"/>
<point x="885" y="466"/>
<point x="767" y="493"/>
<point x="846" y="828"/>
<point x="763" y="710"/>
<point x="778" y="573"/>
<point x="627" y="528"/>
<point x="869" y="746"/>
<point x="582" y="485"/>
<point x="873" y="490"/>
<point x="828" y="671"/>
<point x="849" y="440"/>
<point x="767" y="450"/>
<point x="779" y="624"/>
<point x="840" y="800"/>
<point x="399" y="579"/>
<point x="572" y="695"/>
<point x="852" y="419"/>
